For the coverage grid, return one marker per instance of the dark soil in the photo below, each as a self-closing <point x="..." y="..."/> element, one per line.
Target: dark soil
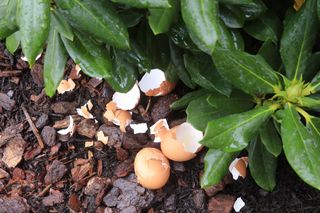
<point x="62" y="177"/>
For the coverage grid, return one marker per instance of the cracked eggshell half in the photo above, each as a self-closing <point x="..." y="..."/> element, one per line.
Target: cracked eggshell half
<point x="181" y="143"/>
<point x="238" y="167"/>
<point x="154" y="83"/>
<point x="152" y="168"/>
<point x="129" y="100"/>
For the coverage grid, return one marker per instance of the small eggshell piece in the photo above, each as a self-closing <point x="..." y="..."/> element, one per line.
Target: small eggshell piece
<point x="238" y="204"/>
<point x="127" y="101"/>
<point x="152" y="168"/>
<point x="238" y="167"/>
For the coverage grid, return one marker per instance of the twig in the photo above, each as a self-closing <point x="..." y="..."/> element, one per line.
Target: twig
<point x="45" y="190"/>
<point x="33" y="128"/>
<point x="10" y="73"/>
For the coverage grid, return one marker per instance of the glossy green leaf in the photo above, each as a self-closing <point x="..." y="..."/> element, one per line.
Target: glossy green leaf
<point x="234" y="132"/>
<point x="160" y="19"/>
<point x="201" y="18"/>
<point x="315" y="83"/>
<point x="186" y="99"/>
<point x="232" y="16"/>
<point x="270" y="138"/>
<point x="179" y="36"/>
<point x="97" y="18"/>
<point x="13" y="42"/>
<point x="200" y="111"/>
<point x="145" y="3"/>
<point x="7" y="18"/>
<point x="93" y="58"/>
<point x="54" y="61"/>
<point x="299" y="34"/>
<point x="301" y="147"/>
<point x="267" y="26"/>
<point x="177" y="60"/>
<point x="131" y="17"/>
<point x="250" y="73"/>
<point x="34" y="23"/>
<point x="313" y="66"/>
<point x="228" y="38"/>
<point x="254" y="9"/>
<point x="262" y="165"/>
<point x="61" y="25"/>
<point x="237" y="39"/>
<point x="123" y="75"/>
<point x="203" y="73"/>
<point x="271" y="54"/>
<point x="236" y="2"/>
<point x="216" y="164"/>
<point x="171" y="73"/>
<point x="313" y="125"/>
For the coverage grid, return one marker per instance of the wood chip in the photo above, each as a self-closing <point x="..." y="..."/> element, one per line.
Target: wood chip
<point x="6" y="102"/>
<point x="13" y="152"/>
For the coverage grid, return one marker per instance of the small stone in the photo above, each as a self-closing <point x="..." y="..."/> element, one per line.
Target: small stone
<point x="55" y="172"/>
<point x="221" y="203"/>
<point x="95" y="185"/>
<point x="13" y="152"/>
<point x="48" y="134"/>
<point x="87" y="128"/>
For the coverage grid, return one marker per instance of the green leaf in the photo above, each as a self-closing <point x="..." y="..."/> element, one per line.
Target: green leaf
<point x="54" y="61"/>
<point x="130" y="17"/>
<point x="250" y="73"/>
<point x="160" y="19"/>
<point x="270" y="138"/>
<point x="234" y="132"/>
<point x="271" y="54"/>
<point x="186" y="99"/>
<point x="232" y="16"/>
<point x="13" y="42"/>
<point x="61" y="25"/>
<point x="237" y="39"/>
<point x="123" y="75"/>
<point x="200" y="111"/>
<point x="93" y="58"/>
<point x="228" y="39"/>
<point x="201" y="18"/>
<point x="216" y="164"/>
<point x="254" y="9"/>
<point x="34" y="23"/>
<point x="203" y="73"/>
<point x="298" y="37"/>
<point x="311" y="103"/>
<point x="301" y="147"/>
<point x="180" y="37"/>
<point x="262" y="165"/>
<point x="8" y="18"/>
<point x="315" y="83"/>
<point x="144" y="3"/>
<point x="267" y="26"/>
<point x="236" y="2"/>
<point x="177" y="60"/>
<point x="313" y="66"/>
<point x="313" y="125"/>
<point x="97" y="18"/>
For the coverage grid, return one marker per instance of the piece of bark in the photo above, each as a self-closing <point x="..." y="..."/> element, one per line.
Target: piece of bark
<point x="36" y="73"/>
<point x="10" y="132"/>
<point x="3" y="174"/>
<point x="13" y="152"/>
<point x="6" y="102"/>
<point x="64" y="107"/>
<point x="95" y="185"/>
<point x="55" y="197"/>
<point x="87" y="128"/>
<point x="48" y="134"/>
<point x="74" y="203"/>
<point x="14" y="205"/>
<point x="221" y="203"/>
<point x="55" y="172"/>
<point x="161" y="109"/>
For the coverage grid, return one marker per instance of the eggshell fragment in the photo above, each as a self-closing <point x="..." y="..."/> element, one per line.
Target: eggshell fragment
<point x="155" y="83"/>
<point x="152" y="168"/>
<point x="139" y="128"/>
<point x="127" y="101"/>
<point x="160" y="126"/>
<point x="101" y="137"/>
<point x="238" y="167"/>
<point x="70" y="129"/>
<point x="238" y="204"/>
<point x="66" y="86"/>
<point x="181" y="143"/>
<point x="84" y="110"/>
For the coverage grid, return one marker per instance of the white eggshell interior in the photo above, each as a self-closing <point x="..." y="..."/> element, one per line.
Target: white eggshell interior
<point x="129" y="100"/>
<point x="152" y="80"/>
<point x="189" y="137"/>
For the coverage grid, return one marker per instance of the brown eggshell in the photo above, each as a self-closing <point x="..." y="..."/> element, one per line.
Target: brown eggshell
<point x="165" y="88"/>
<point x="174" y="149"/>
<point x="152" y="168"/>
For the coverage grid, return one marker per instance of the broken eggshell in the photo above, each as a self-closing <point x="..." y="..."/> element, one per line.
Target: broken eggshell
<point x="84" y="110"/>
<point x="152" y="168"/>
<point x="238" y="167"/>
<point x="70" y="129"/>
<point x="154" y="83"/>
<point x="66" y="86"/>
<point x="127" y="101"/>
<point x="139" y="128"/>
<point x="118" y="117"/>
<point x="181" y="143"/>
<point x="238" y="204"/>
<point x="160" y="126"/>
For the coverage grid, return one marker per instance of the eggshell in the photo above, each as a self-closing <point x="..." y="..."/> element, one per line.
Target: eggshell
<point x="238" y="167"/>
<point x="129" y="100"/>
<point x="152" y="168"/>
